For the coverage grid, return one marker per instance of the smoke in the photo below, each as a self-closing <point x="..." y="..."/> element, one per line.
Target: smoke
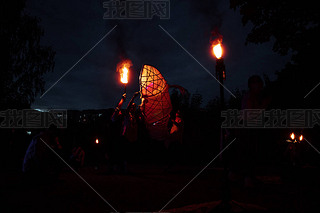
<point x="215" y="37"/>
<point x="212" y="12"/>
<point x="124" y="63"/>
<point x="120" y="42"/>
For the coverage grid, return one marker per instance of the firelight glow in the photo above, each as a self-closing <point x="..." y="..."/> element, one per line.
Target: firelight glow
<point x="97" y="141"/>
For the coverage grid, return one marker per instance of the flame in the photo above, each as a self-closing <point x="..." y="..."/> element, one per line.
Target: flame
<point x="217" y="50"/>
<point x="292" y="136"/>
<point x="124" y="75"/>
<point x="123" y="68"/>
<point x="301" y="137"/>
<point x="217" y="47"/>
<point x="97" y="141"/>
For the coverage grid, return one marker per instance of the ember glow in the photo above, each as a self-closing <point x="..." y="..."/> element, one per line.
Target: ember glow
<point x="97" y="141"/>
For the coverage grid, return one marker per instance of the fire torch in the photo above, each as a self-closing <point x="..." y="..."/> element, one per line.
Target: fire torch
<point x="123" y="68"/>
<point x="124" y="74"/>
<point x="220" y="67"/>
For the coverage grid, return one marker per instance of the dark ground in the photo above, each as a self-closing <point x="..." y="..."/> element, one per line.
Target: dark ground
<point x="150" y="187"/>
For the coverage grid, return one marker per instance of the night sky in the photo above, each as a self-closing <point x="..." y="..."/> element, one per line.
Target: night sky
<point x="73" y="27"/>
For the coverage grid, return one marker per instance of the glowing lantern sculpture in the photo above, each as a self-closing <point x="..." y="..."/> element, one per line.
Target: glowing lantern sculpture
<point x="156" y="103"/>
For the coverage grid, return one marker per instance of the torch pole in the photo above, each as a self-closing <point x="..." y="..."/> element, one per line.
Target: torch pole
<point x="221" y="94"/>
<point x="125" y="88"/>
<point x="220" y="68"/>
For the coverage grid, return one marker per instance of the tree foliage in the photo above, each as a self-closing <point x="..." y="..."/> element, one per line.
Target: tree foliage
<point x="196" y="101"/>
<point x="179" y="101"/>
<point x="291" y="23"/>
<point x="293" y="27"/>
<point x="24" y="59"/>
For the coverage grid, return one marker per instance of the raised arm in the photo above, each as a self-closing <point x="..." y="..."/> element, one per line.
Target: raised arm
<point x="132" y="99"/>
<point x="117" y="110"/>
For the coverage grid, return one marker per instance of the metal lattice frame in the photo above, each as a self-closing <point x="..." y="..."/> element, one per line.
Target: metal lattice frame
<point x="155" y="90"/>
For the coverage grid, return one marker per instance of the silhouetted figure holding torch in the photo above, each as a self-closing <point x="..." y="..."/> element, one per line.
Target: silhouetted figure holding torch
<point x="126" y="131"/>
<point x="130" y="127"/>
<point x="116" y="152"/>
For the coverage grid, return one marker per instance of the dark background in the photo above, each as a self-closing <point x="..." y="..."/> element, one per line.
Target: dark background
<point x="41" y="40"/>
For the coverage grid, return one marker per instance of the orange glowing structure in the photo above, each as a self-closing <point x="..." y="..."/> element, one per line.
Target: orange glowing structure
<point x="97" y="141"/>
<point x="156" y="105"/>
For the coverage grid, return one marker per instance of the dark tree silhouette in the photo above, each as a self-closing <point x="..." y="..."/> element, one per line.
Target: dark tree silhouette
<point x="24" y="60"/>
<point x="196" y="101"/>
<point x="293" y="27"/>
<point x="213" y="106"/>
<point x="291" y="23"/>
<point x="179" y="101"/>
<point x="236" y="102"/>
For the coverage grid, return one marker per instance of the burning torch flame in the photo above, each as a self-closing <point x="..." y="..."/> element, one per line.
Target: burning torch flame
<point x="301" y="137"/>
<point x="292" y="136"/>
<point x="97" y="141"/>
<point x="124" y="75"/>
<point x="217" y="50"/>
